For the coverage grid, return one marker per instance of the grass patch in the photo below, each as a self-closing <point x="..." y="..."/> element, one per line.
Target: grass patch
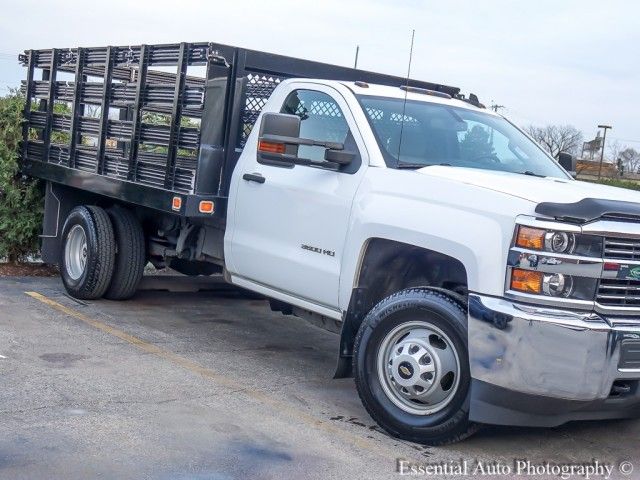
<point x="612" y="182"/>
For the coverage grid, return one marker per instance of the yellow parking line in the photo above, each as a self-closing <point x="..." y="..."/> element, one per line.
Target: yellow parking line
<point x="215" y="377"/>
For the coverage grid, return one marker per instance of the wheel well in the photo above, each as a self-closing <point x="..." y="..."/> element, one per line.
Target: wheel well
<point x="61" y="199"/>
<point x="388" y="266"/>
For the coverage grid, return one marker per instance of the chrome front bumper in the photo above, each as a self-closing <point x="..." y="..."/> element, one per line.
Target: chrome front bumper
<point x="548" y="364"/>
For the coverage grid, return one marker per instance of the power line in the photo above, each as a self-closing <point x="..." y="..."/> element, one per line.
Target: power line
<point x="625" y="140"/>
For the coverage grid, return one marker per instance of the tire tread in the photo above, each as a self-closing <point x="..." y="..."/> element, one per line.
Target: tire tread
<point x="409" y="293"/>
<point x="101" y="247"/>
<point x="130" y="256"/>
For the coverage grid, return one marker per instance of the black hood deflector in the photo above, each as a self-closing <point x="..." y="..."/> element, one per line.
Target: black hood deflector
<point x="589" y="209"/>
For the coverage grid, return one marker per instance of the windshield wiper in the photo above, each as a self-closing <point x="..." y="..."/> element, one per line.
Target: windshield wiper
<point x="530" y="173"/>
<point x="421" y="165"/>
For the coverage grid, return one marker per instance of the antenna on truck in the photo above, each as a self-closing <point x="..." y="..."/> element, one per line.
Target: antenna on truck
<point x="406" y="90"/>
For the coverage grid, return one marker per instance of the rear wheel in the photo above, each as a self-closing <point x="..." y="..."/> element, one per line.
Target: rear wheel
<point x="88" y="252"/>
<point x="412" y="369"/>
<point x="130" y="254"/>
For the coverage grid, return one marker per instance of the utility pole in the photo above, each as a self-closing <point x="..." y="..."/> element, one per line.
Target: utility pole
<point x="355" y="64"/>
<point x="604" y="139"/>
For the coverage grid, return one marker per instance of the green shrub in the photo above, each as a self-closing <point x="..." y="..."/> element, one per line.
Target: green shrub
<point x="613" y="182"/>
<point x="21" y="199"/>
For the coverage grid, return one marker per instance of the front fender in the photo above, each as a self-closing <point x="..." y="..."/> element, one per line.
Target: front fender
<point x="469" y="223"/>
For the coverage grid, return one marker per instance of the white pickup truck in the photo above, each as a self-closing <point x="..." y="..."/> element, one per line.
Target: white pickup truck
<point x="471" y="278"/>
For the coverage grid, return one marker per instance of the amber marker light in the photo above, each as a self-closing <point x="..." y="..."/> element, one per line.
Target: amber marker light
<point x="526" y="281"/>
<point x="532" y="238"/>
<point x="176" y="203"/>
<point x="271" y="147"/>
<point x="206" y="206"/>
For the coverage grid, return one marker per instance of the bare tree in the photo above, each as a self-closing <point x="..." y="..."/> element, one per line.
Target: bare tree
<point x="557" y="138"/>
<point x="630" y="160"/>
<point x="614" y="148"/>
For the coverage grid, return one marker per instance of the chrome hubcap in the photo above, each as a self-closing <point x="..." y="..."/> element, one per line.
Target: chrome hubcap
<point x="418" y="368"/>
<point x="75" y="252"/>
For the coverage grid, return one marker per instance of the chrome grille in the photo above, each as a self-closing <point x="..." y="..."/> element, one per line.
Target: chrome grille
<point x="622" y="248"/>
<point x="619" y="293"/>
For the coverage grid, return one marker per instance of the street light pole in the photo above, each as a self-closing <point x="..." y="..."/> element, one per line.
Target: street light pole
<point x="604" y="139"/>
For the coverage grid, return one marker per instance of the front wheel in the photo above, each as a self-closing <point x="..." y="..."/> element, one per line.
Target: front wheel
<point x="412" y="369"/>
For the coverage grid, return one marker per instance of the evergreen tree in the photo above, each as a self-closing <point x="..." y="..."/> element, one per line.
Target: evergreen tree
<point x="21" y="199"/>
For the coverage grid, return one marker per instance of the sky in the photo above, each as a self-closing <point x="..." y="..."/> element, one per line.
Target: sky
<point x="548" y="62"/>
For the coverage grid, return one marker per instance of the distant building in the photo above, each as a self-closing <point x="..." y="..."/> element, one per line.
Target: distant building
<point x="590" y="168"/>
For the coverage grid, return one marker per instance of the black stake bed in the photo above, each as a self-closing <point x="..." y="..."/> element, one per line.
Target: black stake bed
<point x="137" y="124"/>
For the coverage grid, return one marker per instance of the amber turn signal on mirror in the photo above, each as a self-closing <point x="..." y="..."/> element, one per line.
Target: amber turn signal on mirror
<point x="271" y="147"/>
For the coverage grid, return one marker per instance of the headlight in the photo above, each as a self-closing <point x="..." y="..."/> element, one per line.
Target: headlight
<point x="552" y="284"/>
<point x="559" y="285"/>
<point x="554" y="241"/>
<point x="559" y="242"/>
<point x="555" y="261"/>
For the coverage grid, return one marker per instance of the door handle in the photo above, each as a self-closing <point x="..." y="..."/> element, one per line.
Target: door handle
<point x="253" y="177"/>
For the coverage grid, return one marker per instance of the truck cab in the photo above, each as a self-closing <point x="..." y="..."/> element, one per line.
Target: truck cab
<point x="471" y="279"/>
<point x="446" y="202"/>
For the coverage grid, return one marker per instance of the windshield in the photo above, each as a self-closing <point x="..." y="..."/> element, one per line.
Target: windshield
<point x="436" y="134"/>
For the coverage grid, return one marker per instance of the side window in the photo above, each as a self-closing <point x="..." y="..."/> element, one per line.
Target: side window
<point x="320" y="119"/>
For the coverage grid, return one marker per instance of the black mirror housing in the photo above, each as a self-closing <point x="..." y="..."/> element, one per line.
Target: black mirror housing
<point x="277" y="126"/>
<point x="280" y="124"/>
<point x="279" y="139"/>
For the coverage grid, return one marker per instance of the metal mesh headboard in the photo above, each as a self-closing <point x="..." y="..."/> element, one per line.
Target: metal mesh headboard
<point x="258" y="89"/>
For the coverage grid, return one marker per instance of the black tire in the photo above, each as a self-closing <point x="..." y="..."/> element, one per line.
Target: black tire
<point x="100" y="253"/>
<point x="130" y="254"/>
<point x="449" y="425"/>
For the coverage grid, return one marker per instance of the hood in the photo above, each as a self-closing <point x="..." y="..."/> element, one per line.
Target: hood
<point x="534" y="189"/>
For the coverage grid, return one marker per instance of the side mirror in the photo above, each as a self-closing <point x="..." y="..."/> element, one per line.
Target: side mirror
<point x="279" y="140"/>
<point x="567" y="161"/>
<point x="278" y="126"/>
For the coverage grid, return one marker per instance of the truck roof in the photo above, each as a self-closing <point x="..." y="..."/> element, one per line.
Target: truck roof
<point x="377" y="90"/>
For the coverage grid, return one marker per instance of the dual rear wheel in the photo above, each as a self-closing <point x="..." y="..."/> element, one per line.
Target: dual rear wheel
<point x="103" y="253"/>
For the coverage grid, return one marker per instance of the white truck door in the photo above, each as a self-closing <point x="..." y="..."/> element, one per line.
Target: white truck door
<point x="290" y="224"/>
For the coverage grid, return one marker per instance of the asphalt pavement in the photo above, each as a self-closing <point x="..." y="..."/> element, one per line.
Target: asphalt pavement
<point x="210" y="384"/>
